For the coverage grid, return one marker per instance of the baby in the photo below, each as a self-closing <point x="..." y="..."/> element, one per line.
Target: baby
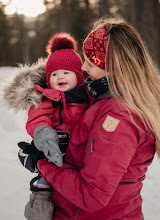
<point x="65" y="100"/>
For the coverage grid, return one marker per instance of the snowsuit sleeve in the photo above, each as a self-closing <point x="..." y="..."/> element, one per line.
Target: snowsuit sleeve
<point x="106" y="159"/>
<point x="39" y="116"/>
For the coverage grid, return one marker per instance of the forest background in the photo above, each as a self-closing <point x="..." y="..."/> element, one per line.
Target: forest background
<point x="24" y="39"/>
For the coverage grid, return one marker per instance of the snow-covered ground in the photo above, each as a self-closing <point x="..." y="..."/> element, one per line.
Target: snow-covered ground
<point x="14" y="183"/>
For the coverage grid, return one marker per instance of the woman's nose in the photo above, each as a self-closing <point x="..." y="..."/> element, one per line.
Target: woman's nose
<point x="84" y="67"/>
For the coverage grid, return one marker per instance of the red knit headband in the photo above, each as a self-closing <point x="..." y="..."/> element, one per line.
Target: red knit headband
<point x="95" y="45"/>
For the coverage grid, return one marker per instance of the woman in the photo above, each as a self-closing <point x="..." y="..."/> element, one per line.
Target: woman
<point x="115" y="141"/>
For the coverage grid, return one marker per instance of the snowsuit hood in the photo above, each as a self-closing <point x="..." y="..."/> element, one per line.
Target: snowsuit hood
<point x="19" y="92"/>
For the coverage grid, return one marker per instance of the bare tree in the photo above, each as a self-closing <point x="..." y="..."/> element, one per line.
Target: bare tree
<point x="156" y="29"/>
<point x="65" y="16"/>
<point x="104" y="7"/>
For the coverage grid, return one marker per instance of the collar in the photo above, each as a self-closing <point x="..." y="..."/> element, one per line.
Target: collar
<point x="98" y="89"/>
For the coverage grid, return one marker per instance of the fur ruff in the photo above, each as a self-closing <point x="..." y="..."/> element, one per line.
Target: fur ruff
<point x="19" y="92"/>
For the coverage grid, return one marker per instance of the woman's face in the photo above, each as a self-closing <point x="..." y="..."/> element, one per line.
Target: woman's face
<point x="94" y="71"/>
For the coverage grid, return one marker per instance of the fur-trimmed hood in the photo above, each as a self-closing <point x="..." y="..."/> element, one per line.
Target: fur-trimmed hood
<point x="19" y="92"/>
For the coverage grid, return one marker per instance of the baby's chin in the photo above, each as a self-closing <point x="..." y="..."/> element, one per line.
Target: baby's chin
<point x="62" y="88"/>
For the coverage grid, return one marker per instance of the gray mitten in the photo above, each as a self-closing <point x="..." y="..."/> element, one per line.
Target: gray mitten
<point x="39" y="207"/>
<point x="46" y="140"/>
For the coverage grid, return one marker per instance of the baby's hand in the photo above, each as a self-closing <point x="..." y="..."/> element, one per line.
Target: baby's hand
<point x="46" y="140"/>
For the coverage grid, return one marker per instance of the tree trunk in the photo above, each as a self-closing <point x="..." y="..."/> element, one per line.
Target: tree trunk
<point x="65" y="16"/>
<point x="156" y="29"/>
<point x="104" y="7"/>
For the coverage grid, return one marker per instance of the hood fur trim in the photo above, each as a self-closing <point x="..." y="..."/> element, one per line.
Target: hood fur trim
<point x="19" y="92"/>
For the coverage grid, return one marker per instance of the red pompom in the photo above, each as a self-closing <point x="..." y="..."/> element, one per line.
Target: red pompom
<point x="61" y="41"/>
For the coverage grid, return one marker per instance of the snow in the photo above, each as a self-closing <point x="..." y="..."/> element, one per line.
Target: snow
<point x="14" y="190"/>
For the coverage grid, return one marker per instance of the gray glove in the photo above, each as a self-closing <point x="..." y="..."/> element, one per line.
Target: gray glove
<point x="46" y="140"/>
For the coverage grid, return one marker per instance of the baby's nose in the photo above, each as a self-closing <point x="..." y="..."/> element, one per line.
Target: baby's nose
<point x="60" y="76"/>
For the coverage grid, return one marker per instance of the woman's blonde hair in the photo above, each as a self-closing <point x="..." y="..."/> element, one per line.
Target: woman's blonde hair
<point x="133" y="71"/>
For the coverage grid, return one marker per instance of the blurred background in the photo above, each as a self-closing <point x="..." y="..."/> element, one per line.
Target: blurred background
<point x="27" y="25"/>
<point x="25" y="28"/>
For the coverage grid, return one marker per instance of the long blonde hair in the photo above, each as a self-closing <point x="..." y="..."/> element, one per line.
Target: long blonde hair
<point x="133" y="71"/>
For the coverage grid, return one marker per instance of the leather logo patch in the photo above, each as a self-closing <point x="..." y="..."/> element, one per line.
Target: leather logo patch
<point x="110" y="124"/>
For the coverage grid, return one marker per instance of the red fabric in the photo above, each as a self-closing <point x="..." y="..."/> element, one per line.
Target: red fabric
<point x="46" y="115"/>
<point x="95" y="46"/>
<point x="62" y="49"/>
<point x="51" y="94"/>
<point x="66" y="59"/>
<point x="61" y="41"/>
<point x="101" y="178"/>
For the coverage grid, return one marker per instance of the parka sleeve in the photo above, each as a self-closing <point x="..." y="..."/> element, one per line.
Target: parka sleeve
<point x="106" y="160"/>
<point x="41" y="115"/>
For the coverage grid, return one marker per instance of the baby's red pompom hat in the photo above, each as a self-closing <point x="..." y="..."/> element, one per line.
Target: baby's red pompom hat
<point x="62" y="49"/>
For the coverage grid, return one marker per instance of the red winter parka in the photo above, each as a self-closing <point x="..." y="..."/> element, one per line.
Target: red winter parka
<point x="106" y="161"/>
<point x="60" y="110"/>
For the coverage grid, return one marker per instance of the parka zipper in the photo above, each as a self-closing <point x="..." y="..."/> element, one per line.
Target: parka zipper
<point x="77" y="214"/>
<point x="89" y="148"/>
<point x="91" y="151"/>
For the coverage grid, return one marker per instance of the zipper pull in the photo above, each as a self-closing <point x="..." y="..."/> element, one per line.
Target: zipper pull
<point x="91" y="148"/>
<point x="75" y="217"/>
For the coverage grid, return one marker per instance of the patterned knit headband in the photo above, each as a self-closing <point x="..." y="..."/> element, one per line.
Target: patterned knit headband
<point x="95" y="45"/>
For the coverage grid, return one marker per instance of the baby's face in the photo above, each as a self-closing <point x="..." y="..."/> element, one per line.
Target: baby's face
<point x="63" y="80"/>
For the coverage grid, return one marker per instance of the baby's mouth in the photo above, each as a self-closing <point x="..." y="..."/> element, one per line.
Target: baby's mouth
<point x="62" y="84"/>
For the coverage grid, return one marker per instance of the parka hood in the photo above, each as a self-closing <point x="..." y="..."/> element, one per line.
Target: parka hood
<point x="19" y="92"/>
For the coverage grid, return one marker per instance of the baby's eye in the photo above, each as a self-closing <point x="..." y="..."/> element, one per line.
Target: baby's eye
<point x="53" y="74"/>
<point x="66" y="72"/>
